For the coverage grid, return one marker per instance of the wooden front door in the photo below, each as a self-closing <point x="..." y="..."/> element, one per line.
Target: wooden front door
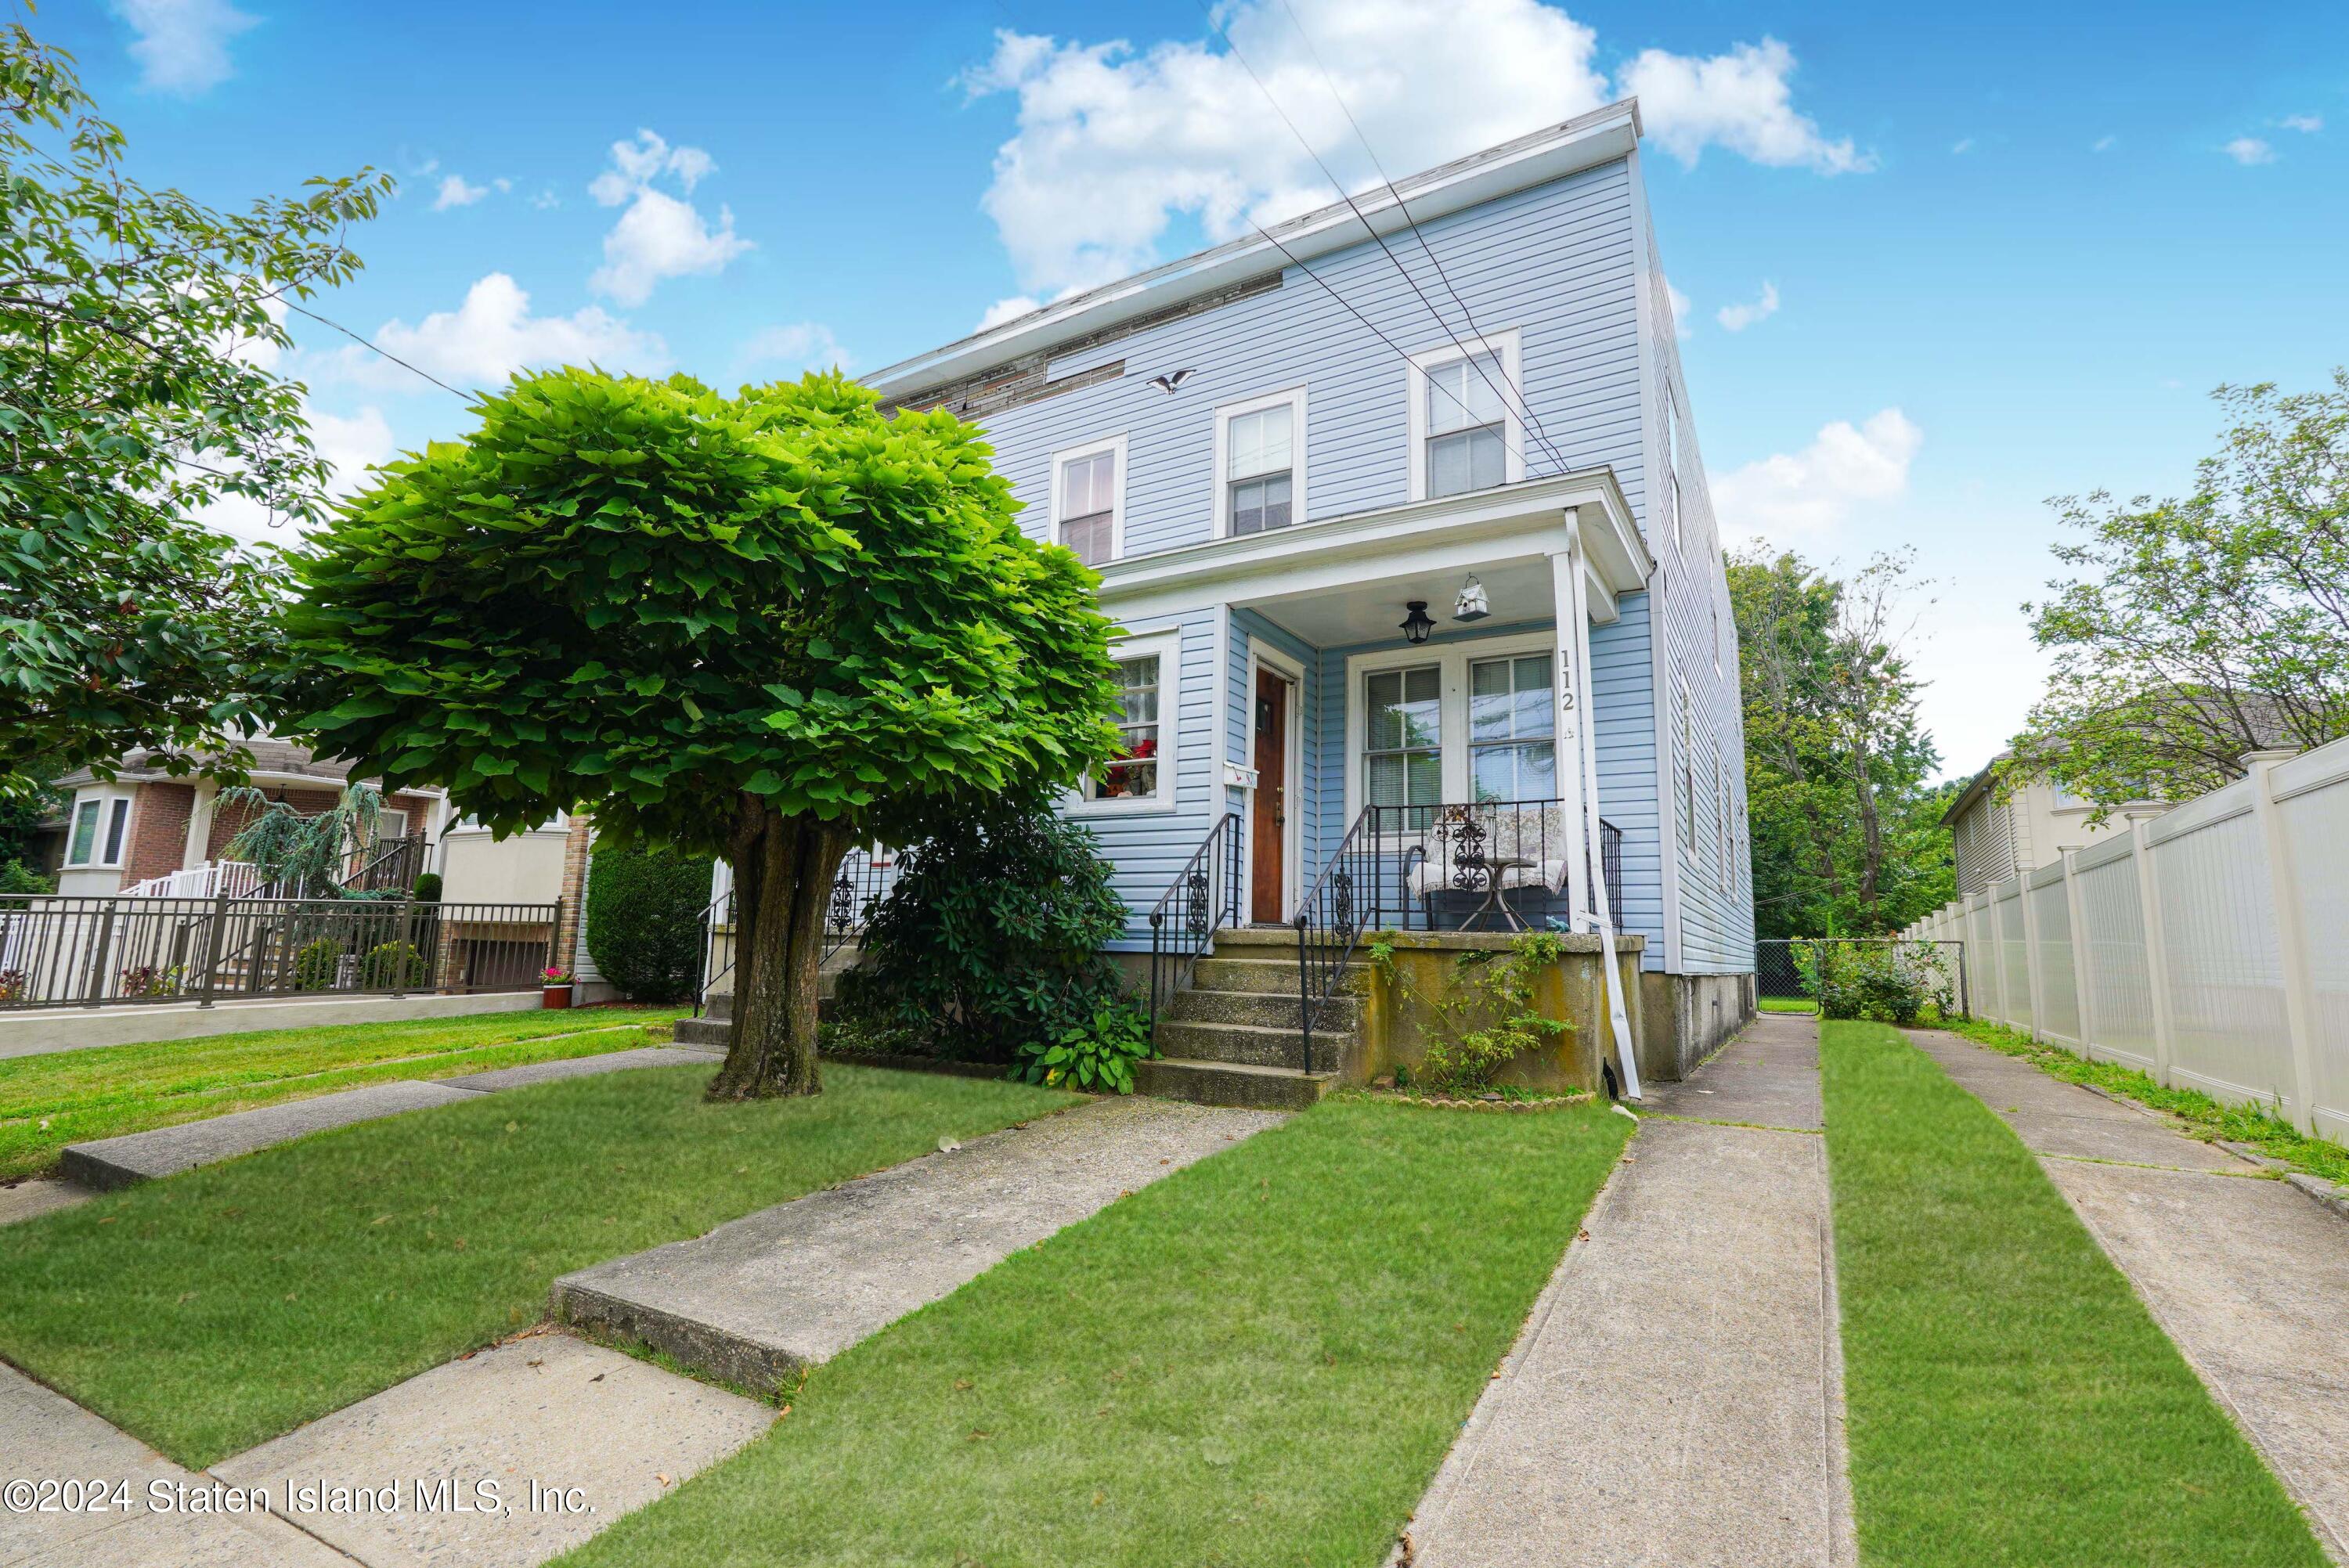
<point x="1269" y="834"/>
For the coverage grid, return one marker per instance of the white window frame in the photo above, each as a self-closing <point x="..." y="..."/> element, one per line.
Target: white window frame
<point x="1454" y="659"/>
<point x="1167" y="646"/>
<point x="1506" y="346"/>
<point x="1114" y="445"/>
<point x="109" y="801"/>
<point x="1294" y="396"/>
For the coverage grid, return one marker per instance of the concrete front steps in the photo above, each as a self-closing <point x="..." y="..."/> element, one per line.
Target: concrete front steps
<point x="1231" y="1036"/>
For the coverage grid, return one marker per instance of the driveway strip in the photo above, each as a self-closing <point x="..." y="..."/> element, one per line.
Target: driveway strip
<point x="2248" y="1278"/>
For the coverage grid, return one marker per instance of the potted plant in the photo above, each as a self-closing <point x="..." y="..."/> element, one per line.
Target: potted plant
<point x="555" y="987"/>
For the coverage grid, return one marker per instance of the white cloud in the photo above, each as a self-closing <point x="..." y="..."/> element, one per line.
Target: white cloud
<point x="546" y="201"/>
<point x="2249" y="150"/>
<point x="491" y="336"/>
<point x="660" y="235"/>
<point x="2104" y="144"/>
<point x="1740" y="100"/>
<point x="1965" y="144"/>
<point x="1980" y="676"/>
<point x="455" y="193"/>
<point x="788" y="350"/>
<point x="1010" y="309"/>
<point x="2307" y="124"/>
<point x="181" y="46"/>
<point x="1813" y="490"/>
<point x="1115" y="143"/>
<point x="1738" y="318"/>
<point x="1683" y="313"/>
<point x="351" y="446"/>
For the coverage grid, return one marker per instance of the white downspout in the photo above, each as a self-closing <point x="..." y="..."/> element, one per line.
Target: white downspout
<point x="1585" y="745"/>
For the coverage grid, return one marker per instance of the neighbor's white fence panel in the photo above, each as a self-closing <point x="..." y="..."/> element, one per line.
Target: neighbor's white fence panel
<point x="2210" y="947"/>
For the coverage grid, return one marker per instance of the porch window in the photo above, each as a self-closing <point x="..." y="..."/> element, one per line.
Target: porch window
<point x="1135" y="775"/>
<point x="1404" y="750"/>
<point x="1088" y="499"/>
<point x="1512" y="730"/>
<point x="1467" y="426"/>
<point x="1259" y="469"/>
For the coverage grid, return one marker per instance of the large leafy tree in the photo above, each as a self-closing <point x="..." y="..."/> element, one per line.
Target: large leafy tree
<point x="766" y="627"/>
<point x="2202" y="627"/>
<point x="132" y="398"/>
<point x="1845" y="817"/>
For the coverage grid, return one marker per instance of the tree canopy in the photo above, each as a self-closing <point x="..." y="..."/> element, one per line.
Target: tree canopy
<point x="763" y="627"/>
<point x="2203" y="627"/>
<point x="134" y="325"/>
<point x="1846" y="821"/>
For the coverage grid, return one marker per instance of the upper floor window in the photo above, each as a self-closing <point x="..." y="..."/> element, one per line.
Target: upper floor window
<point x="1088" y="501"/>
<point x="1259" y="463"/>
<point x="100" y="822"/>
<point x="1465" y="433"/>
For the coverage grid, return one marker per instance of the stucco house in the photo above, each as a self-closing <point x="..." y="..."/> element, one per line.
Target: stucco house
<point x="1400" y="508"/>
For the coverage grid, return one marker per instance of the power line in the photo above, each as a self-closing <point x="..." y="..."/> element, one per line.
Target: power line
<point x="1474" y="362"/>
<point x="376" y="348"/>
<point x="1405" y="208"/>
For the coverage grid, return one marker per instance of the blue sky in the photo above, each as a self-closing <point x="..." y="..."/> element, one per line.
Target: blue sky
<point x="1984" y="254"/>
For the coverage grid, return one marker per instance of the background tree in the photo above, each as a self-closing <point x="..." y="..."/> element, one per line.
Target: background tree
<point x="766" y="627"/>
<point x="643" y="920"/>
<point x="131" y="400"/>
<point x="2205" y="627"/>
<point x="1845" y="819"/>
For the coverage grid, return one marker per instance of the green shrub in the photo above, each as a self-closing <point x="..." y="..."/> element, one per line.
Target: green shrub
<point x="643" y="920"/>
<point x="1885" y="982"/>
<point x="427" y="889"/>
<point x="16" y="877"/>
<point x="1096" y="1056"/>
<point x="391" y="966"/>
<point x="316" y="964"/>
<point x="991" y="940"/>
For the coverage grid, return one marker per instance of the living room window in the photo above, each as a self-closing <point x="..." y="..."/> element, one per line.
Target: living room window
<point x="1143" y="774"/>
<point x="1512" y="730"/>
<point x="1402" y="752"/>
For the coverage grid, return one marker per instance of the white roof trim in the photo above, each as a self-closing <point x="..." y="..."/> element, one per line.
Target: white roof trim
<point x="1552" y="153"/>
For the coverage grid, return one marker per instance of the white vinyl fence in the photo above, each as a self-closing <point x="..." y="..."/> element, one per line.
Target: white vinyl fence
<point x="2208" y="946"/>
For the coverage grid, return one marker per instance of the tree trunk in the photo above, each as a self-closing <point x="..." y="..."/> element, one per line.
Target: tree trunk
<point x="783" y="870"/>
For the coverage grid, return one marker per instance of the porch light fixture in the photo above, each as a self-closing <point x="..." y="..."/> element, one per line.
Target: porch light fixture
<point x="1416" y="626"/>
<point x="1471" y="605"/>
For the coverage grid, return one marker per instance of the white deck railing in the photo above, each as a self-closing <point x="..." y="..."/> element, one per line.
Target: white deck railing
<point x="213" y="878"/>
<point x="2208" y="946"/>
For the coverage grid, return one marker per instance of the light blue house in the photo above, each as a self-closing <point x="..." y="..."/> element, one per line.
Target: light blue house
<point x="1278" y="452"/>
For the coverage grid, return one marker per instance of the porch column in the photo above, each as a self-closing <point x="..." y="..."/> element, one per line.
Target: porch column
<point x="1577" y="774"/>
<point x="197" y="850"/>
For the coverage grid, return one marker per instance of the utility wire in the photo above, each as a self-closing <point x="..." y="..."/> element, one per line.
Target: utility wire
<point x="1474" y="361"/>
<point x="376" y="348"/>
<point x="1405" y="208"/>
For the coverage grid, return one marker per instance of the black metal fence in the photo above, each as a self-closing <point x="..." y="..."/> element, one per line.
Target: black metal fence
<point x="65" y="952"/>
<point x="865" y="876"/>
<point x="1204" y="898"/>
<point x="1864" y="972"/>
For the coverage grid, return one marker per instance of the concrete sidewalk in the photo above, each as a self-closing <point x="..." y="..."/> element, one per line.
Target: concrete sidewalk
<point x="1676" y="1400"/>
<point x="2246" y="1275"/>
<point x="760" y="1300"/>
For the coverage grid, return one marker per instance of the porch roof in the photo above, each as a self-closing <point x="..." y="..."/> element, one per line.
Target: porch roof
<point x="1346" y="579"/>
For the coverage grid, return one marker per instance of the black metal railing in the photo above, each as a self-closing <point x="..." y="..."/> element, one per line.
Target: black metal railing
<point x="1204" y="898"/>
<point x="865" y="876"/>
<point x="64" y="952"/>
<point x="1487" y="865"/>
<point x="392" y="864"/>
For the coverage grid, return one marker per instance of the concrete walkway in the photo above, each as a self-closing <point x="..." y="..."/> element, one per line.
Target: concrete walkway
<point x="2248" y="1276"/>
<point x="759" y="1301"/>
<point x="110" y="1163"/>
<point x="1676" y="1398"/>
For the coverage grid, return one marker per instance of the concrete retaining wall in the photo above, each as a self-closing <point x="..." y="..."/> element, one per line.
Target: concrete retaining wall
<point x="1688" y="1018"/>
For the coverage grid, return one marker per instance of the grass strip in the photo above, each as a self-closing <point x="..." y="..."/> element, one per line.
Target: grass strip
<point x="2011" y="1400"/>
<point x="2211" y="1121"/>
<point x="1788" y="1005"/>
<point x="72" y="1097"/>
<point x="213" y="1310"/>
<point x="1261" y="1360"/>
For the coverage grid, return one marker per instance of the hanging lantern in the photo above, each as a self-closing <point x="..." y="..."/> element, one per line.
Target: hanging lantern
<point x="1416" y="626"/>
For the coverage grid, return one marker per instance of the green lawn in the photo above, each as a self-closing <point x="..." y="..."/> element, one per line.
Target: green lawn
<point x="71" y="1096"/>
<point x="1788" y="1005"/>
<point x="1260" y="1360"/>
<point x="2011" y="1400"/>
<point x="2205" y="1118"/>
<point x="213" y="1310"/>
